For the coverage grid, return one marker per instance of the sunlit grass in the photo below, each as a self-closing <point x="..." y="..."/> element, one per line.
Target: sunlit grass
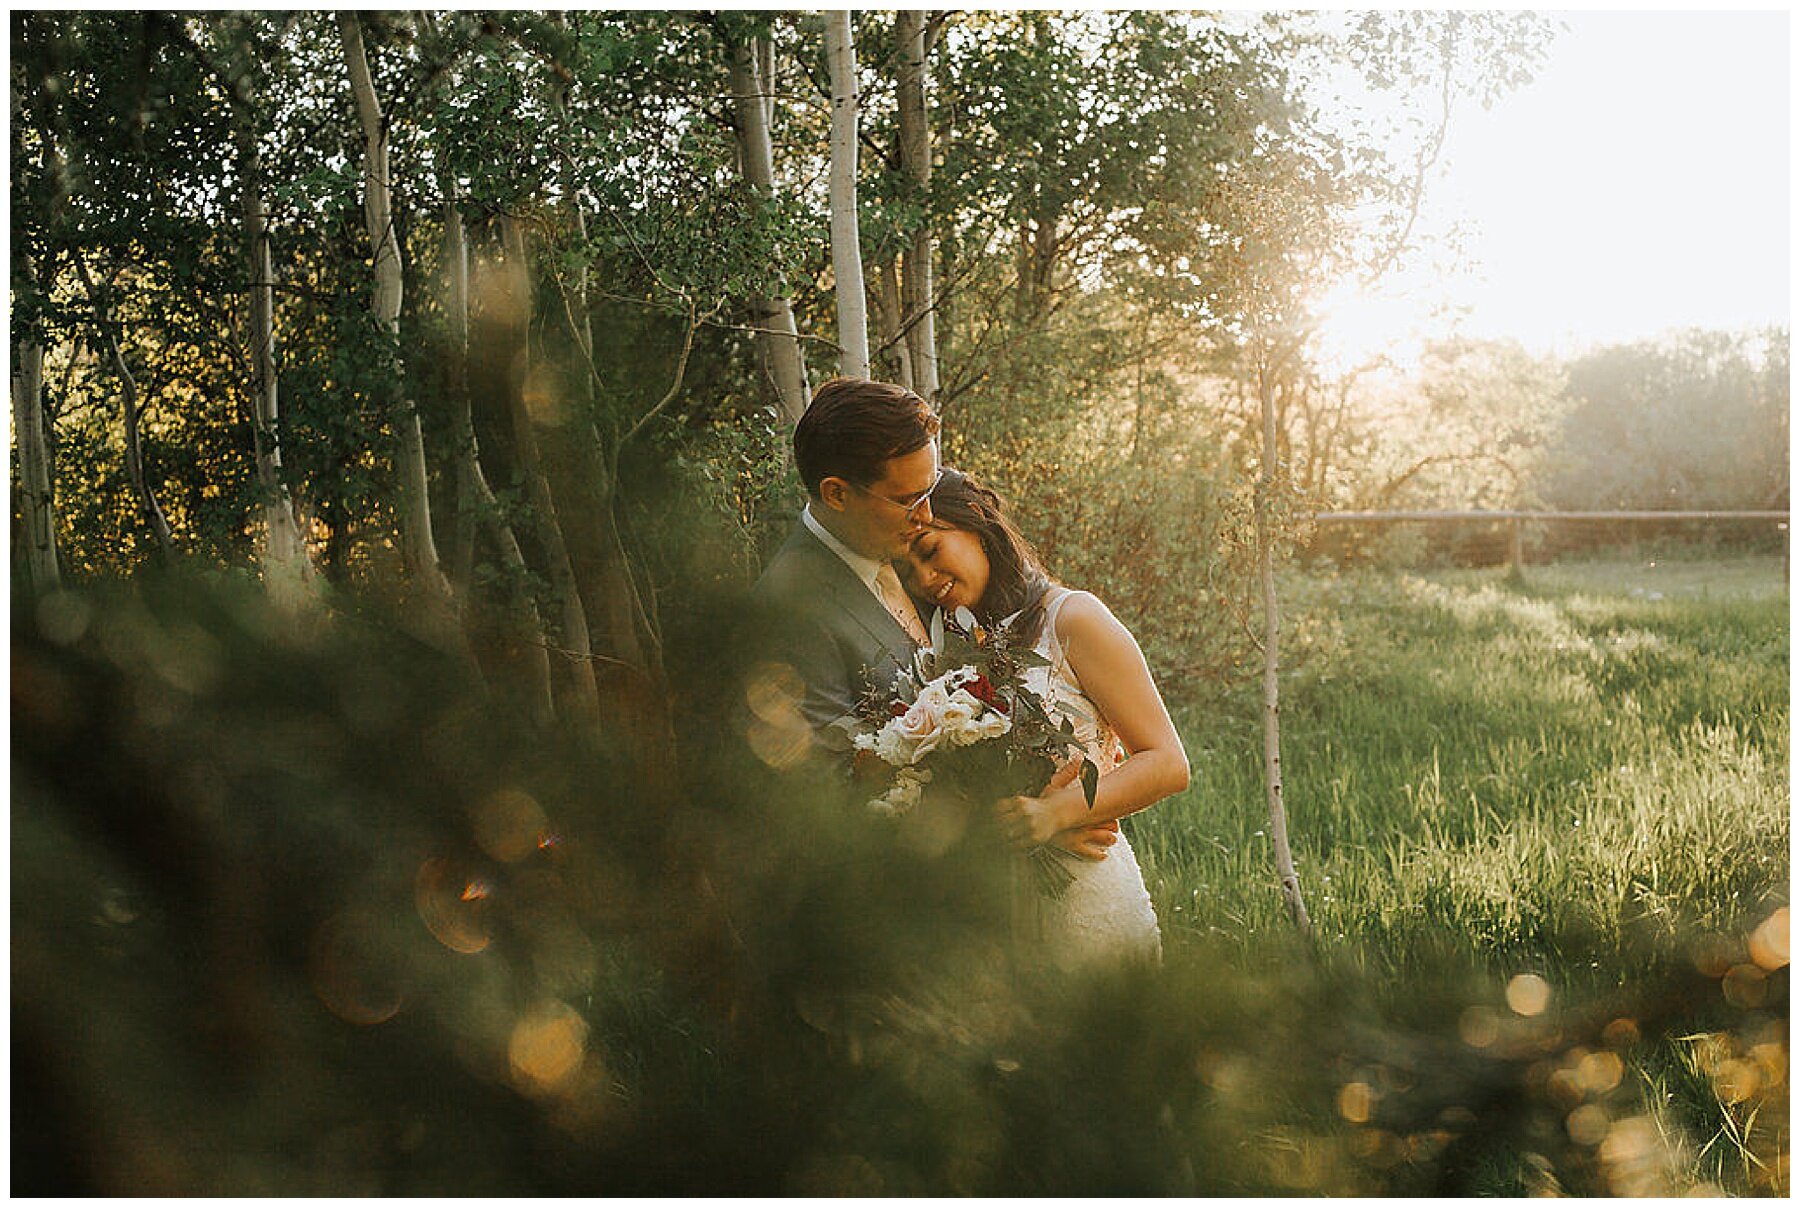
<point x="1590" y="759"/>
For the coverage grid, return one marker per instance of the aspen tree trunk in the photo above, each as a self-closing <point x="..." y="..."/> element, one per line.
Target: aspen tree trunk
<point x="474" y="496"/>
<point x="846" y="243"/>
<point x="752" y="107"/>
<point x="890" y="321"/>
<point x="915" y="166"/>
<point x="287" y="571"/>
<point x="537" y="488"/>
<point x="415" y="498"/>
<point x="42" y="571"/>
<point x="128" y="395"/>
<point x="1265" y="549"/>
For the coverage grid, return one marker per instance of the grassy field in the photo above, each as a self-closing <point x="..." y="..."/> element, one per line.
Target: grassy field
<point x="1561" y="777"/>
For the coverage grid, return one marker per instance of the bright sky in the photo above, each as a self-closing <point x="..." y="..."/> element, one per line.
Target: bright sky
<point x="1639" y="183"/>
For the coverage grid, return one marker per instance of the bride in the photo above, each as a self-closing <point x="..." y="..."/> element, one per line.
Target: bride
<point x="971" y="555"/>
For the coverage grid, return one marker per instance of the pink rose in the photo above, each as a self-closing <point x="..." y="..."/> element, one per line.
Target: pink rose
<point x="921" y="727"/>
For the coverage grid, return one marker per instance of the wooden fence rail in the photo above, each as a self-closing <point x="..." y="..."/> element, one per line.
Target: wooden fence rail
<point x="1516" y="521"/>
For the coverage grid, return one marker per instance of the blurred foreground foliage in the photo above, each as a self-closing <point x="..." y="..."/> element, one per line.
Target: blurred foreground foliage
<point x="298" y="911"/>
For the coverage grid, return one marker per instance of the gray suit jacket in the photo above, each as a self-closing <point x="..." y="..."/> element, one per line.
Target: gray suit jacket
<point x="818" y="617"/>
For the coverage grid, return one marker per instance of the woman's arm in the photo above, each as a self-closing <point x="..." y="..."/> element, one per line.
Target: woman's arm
<point x="1111" y="669"/>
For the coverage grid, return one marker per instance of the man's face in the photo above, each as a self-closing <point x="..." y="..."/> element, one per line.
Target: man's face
<point x="880" y="519"/>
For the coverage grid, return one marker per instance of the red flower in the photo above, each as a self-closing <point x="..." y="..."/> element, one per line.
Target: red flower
<point x="897" y="709"/>
<point x="984" y="692"/>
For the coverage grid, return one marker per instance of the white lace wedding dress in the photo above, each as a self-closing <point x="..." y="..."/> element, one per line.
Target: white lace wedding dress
<point x="1104" y="915"/>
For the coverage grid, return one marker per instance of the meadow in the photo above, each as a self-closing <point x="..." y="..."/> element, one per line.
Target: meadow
<point x="1580" y="777"/>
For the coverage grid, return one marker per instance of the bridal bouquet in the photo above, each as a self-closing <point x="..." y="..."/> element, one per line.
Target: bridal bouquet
<point x="962" y="719"/>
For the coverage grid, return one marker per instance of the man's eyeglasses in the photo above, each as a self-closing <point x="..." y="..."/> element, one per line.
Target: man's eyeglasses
<point x="909" y="506"/>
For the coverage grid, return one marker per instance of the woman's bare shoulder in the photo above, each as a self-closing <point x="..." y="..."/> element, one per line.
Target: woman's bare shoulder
<point x="1084" y="614"/>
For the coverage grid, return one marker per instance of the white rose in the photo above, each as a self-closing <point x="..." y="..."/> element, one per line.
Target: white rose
<point x="957" y="715"/>
<point x="994" y="724"/>
<point x="908" y="783"/>
<point x="933" y="697"/>
<point x="890" y="746"/>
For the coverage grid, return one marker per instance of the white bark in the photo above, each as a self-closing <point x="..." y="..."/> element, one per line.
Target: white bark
<point x="1265" y="549"/>
<point x="43" y="573"/>
<point x="415" y="499"/>
<point x="915" y="166"/>
<point x="287" y="571"/>
<point x="752" y="106"/>
<point x="846" y="242"/>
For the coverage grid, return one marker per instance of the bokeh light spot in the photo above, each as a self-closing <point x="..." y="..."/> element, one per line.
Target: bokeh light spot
<point x="1564" y="1088"/>
<point x="1599" y="1073"/>
<point x="509" y="825"/>
<point x="1479" y="1027"/>
<point x="1745" y="986"/>
<point x="63" y="617"/>
<point x="1630" y="1140"/>
<point x="780" y="746"/>
<point x="1769" y="942"/>
<point x="351" y="976"/>
<point x="1588" y="1124"/>
<point x="1737" y="1080"/>
<point x="547" y="1046"/>
<point x="1528" y="994"/>
<point x="453" y="905"/>
<point x="1356" y="1102"/>
<point x="1621" y="1033"/>
<point x="778" y="732"/>
<point x="1713" y="956"/>
<point x="772" y="689"/>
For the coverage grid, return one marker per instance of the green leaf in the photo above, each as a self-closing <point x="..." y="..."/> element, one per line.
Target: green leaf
<point x="1090" y="781"/>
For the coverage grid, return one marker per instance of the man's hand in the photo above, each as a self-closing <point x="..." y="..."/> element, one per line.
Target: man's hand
<point x="1064" y="775"/>
<point x="1088" y="842"/>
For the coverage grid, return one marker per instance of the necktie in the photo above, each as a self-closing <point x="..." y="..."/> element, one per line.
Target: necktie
<point x="899" y="604"/>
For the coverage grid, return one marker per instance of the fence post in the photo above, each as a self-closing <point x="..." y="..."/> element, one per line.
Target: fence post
<point x="1515" y="547"/>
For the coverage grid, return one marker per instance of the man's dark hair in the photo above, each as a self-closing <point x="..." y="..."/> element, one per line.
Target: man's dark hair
<point x="855" y="425"/>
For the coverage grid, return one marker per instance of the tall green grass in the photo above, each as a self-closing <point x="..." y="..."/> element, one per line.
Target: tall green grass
<point x="1576" y="764"/>
<point x="1582" y="776"/>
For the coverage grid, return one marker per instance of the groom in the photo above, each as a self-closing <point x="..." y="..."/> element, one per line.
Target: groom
<point x="867" y="453"/>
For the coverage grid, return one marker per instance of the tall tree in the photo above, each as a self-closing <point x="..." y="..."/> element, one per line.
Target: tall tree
<point x="287" y="568"/>
<point x="42" y="571"/>
<point x="752" y="100"/>
<point x="919" y="305"/>
<point x="846" y="242"/>
<point x="378" y="206"/>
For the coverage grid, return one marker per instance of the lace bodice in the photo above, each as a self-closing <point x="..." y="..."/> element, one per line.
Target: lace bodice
<point x="1061" y="688"/>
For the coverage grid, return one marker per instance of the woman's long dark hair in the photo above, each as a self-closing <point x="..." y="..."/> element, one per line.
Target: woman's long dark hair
<point x="1017" y="581"/>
